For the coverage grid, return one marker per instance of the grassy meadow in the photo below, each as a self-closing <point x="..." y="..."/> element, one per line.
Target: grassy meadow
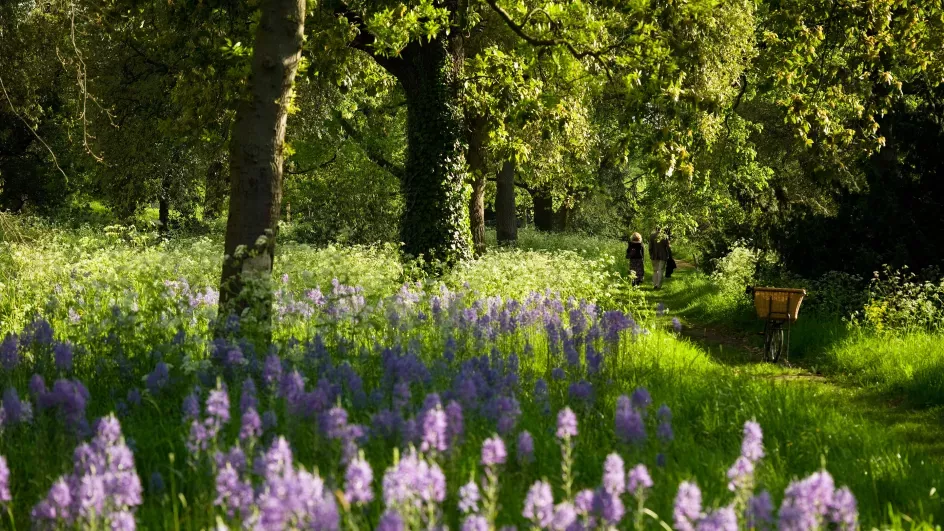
<point x="511" y="339"/>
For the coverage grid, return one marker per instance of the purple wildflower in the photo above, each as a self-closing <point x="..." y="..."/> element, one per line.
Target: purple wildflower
<point x="581" y="391"/>
<point x="250" y="425"/>
<point x="609" y="507"/>
<point x="199" y="437"/>
<point x="641" y="399"/>
<point x="158" y="378"/>
<point x="103" y="485"/>
<point x="583" y="501"/>
<point x="454" y="422"/>
<point x="558" y="373"/>
<point x="639" y="480"/>
<point x="760" y="511"/>
<point x="335" y="423"/>
<point x="217" y="405"/>
<point x="247" y="399"/>
<point x="493" y="451"/>
<point x="539" y="504"/>
<point x="469" y="498"/>
<point x="806" y="502"/>
<point x="475" y="522"/>
<point x="565" y="516"/>
<point x="629" y="425"/>
<point x="687" y="507"/>
<point x="39" y="331"/>
<point x="134" y="397"/>
<point x="9" y="353"/>
<point x="614" y="476"/>
<point x="37" y="386"/>
<point x="525" y="447"/>
<point x="566" y="424"/>
<point x="5" y="496"/>
<point x="435" y="427"/>
<point x="740" y="474"/>
<point x="191" y="406"/>
<point x="843" y="510"/>
<point x="63" y="354"/>
<point x="723" y="519"/>
<point x="14" y="409"/>
<point x="752" y="447"/>
<point x="676" y="325"/>
<point x="358" y="480"/>
<point x="272" y="371"/>
<point x="232" y="493"/>
<point x="413" y="481"/>
<point x="390" y="521"/>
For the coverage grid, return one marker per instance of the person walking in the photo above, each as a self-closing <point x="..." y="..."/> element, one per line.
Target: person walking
<point x="635" y="255"/>
<point x="659" y="254"/>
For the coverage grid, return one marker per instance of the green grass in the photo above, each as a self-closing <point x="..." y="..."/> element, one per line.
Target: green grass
<point x="887" y="454"/>
<point x="909" y="366"/>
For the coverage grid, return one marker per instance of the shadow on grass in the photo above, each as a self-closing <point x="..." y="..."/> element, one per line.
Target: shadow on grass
<point x="728" y="328"/>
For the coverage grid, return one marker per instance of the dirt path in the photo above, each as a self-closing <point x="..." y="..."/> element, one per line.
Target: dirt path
<point x="738" y="348"/>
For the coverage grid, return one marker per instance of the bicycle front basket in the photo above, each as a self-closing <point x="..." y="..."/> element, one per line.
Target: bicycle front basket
<point x="778" y="303"/>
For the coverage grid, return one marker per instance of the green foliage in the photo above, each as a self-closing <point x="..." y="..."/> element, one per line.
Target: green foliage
<point x="900" y="300"/>
<point x="736" y="270"/>
<point x="589" y="272"/>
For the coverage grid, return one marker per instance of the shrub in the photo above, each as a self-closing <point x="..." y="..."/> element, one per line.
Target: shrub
<point x="902" y="300"/>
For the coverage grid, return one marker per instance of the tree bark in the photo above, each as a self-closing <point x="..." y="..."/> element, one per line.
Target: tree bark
<point x="562" y="218"/>
<point x="256" y="165"/>
<point x="435" y="217"/>
<point x="543" y="209"/>
<point x="214" y="189"/>
<point x="163" y="212"/>
<point x="505" y="212"/>
<point x="478" y="169"/>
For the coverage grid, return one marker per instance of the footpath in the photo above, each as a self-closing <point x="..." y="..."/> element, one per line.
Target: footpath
<point x="739" y="346"/>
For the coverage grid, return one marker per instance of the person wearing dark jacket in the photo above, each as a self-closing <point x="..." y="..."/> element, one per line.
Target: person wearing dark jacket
<point x="659" y="254"/>
<point x="635" y="255"/>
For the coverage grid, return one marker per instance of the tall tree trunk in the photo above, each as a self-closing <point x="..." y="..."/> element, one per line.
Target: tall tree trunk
<point x="435" y="220"/>
<point x="478" y="168"/>
<point x="163" y="212"/>
<point x="561" y="217"/>
<point x="256" y="164"/>
<point x="214" y="189"/>
<point x="543" y="209"/>
<point x="505" y="213"/>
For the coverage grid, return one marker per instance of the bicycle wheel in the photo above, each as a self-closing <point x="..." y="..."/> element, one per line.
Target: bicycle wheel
<point x="773" y="342"/>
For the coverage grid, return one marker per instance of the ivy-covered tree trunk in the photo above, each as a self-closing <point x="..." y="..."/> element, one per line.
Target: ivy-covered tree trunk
<point x="435" y="217"/>
<point x="256" y="164"/>
<point x="543" y="209"/>
<point x="478" y="169"/>
<point x="505" y="214"/>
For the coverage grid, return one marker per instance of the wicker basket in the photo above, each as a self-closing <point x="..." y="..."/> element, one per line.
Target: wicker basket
<point x="778" y="303"/>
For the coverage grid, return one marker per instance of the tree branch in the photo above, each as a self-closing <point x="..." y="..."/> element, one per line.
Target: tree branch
<point x="364" y="40"/>
<point x="318" y="166"/>
<point x="377" y="158"/>
<point x="523" y="186"/>
<point x="518" y="29"/>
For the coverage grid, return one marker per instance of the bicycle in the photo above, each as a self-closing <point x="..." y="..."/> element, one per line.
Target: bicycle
<point x="779" y="308"/>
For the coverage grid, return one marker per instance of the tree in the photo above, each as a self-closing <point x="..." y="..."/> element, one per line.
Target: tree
<point x="507" y="220"/>
<point x="256" y="155"/>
